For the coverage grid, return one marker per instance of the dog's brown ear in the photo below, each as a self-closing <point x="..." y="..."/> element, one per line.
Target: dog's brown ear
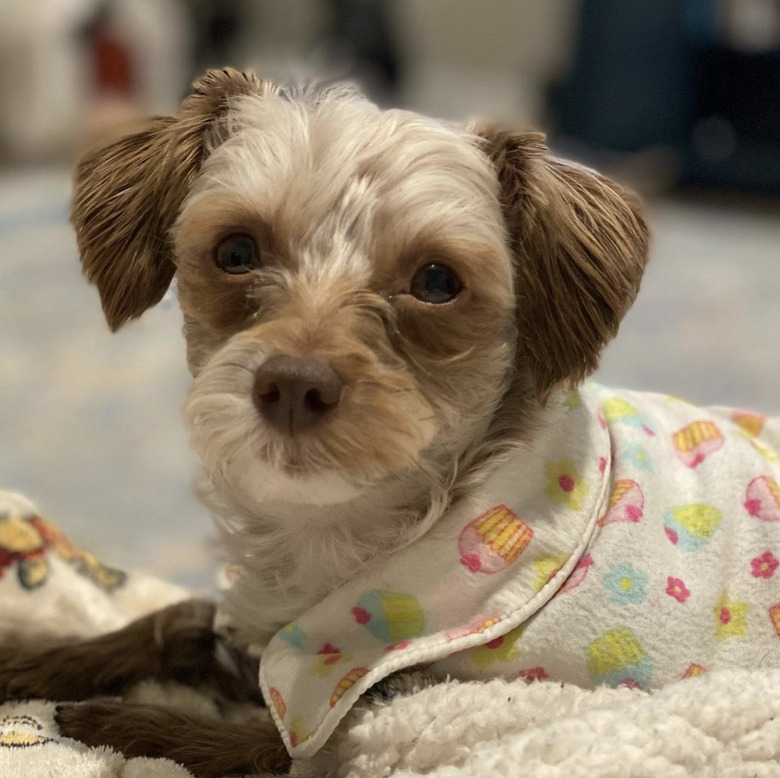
<point x="580" y="243"/>
<point x="127" y="195"/>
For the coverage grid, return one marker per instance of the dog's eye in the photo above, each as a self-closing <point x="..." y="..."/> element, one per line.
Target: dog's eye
<point x="237" y="254"/>
<point x="436" y="284"/>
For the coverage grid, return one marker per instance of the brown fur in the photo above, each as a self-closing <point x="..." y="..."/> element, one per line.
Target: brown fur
<point x="580" y="243"/>
<point x="176" y="643"/>
<point x="128" y="196"/>
<point x="207" y="747"/>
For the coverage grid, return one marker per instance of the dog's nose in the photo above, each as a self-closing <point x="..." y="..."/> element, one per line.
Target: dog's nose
<point x="294" y="393"/>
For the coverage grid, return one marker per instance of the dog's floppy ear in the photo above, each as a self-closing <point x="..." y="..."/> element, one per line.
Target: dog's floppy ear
<point x="127" y="195"/>
<point x="580" y="244"/>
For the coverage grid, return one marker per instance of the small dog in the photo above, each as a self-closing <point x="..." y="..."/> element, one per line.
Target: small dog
<point x="387" y="319"/>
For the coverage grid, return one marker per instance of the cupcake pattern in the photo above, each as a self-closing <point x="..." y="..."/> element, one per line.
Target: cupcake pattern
<point x="626" y="503"/>
<point x="617" y="658"/>
<point x="389" y="616"/>
<point x="762" y="498"/>
<point x="690" y="527"/>
<point x="599" y="571"/>
<point x="493" y="541"/>
<point x="696" y="441"/>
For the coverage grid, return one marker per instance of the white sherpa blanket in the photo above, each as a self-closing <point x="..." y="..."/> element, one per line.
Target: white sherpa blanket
<point x="723" y="724"/>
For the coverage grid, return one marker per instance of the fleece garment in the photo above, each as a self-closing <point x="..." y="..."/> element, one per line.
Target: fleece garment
<point x="633" y="543"/>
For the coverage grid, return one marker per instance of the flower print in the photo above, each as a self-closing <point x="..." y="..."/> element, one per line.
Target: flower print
<point x="626" y="584"/>
<point x="676" y="588"/>
<point x="564" y="484"/>
<point x="730" y="617"/>
<point x="636" y="455"/>
<point x="764" y="566"/>
<point x="533" y="674"/>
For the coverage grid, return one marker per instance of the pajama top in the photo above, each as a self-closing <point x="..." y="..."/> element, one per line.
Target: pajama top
<point x="634" y="541"/>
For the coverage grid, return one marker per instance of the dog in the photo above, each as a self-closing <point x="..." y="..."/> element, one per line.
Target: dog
<point x="388" y="320"/>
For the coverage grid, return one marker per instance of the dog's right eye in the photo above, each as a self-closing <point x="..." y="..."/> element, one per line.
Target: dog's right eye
<point x="237" y="254"/>
<point x="436" y="284"/>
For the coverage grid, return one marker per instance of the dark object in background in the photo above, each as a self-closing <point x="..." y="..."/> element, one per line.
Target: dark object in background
<point x="662" y="74"/>
<point x="217" y="25"/>
<point x="358" y="41"/>
<point x="630" y="86"/>
<point x="735" y="140"/>
<point x="362" y="40"/>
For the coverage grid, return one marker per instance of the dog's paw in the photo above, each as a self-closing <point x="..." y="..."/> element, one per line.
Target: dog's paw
<point x="195" y="655"/>
<point x="94" y="723"/>
<point x="208" y="748"/>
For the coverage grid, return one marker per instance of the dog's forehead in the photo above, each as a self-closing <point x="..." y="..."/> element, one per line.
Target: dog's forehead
<point x="319" y="154"/>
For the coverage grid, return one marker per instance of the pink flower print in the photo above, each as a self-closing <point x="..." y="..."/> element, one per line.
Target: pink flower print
<point x="676" y="588"/>
<point x="533" y="674"/>
<point x="764" y="566"/>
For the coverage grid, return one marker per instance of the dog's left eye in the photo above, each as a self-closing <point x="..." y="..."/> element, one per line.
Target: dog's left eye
<point x="237" y="254"/>
<point x="436" y="284"/>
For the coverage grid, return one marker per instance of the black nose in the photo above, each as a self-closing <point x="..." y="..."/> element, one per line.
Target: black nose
<point x="294" y="393"/>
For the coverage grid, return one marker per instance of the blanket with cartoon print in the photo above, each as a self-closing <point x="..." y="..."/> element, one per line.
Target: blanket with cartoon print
<point x="724" y="723"/>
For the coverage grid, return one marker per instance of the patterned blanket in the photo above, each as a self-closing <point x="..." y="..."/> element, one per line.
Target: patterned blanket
<point x="723" y="724"/>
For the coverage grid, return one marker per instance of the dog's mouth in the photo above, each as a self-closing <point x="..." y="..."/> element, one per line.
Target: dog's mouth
<point x="304" y="429"/>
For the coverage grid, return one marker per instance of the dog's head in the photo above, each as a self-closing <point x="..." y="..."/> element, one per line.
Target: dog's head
<point x="361" y="288"/>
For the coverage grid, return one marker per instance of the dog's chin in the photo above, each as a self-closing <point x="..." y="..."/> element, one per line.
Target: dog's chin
<point x="263" y="484"/>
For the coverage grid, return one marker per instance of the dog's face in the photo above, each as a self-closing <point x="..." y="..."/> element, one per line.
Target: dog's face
<point x="360" y="288"/>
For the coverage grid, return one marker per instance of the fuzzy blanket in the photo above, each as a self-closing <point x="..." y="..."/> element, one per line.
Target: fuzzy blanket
<point x="722" y="724"/>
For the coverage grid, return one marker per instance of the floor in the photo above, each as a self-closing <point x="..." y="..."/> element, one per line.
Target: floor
<point x="90" y="422"/>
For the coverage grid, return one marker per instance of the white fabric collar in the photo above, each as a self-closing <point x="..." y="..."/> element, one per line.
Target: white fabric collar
<point x="488" y="565"/>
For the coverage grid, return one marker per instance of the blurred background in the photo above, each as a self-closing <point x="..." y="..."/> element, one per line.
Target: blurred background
<point x="679" y="98"/>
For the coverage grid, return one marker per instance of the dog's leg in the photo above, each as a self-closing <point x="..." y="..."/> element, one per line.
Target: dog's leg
<point x="208" y="748"/>
<point x="176" y="643"/>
